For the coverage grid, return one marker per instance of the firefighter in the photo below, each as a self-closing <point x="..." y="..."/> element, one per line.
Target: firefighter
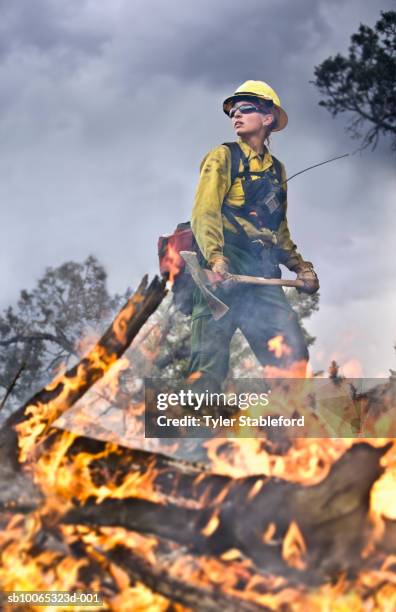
<point x="241" y="227"/>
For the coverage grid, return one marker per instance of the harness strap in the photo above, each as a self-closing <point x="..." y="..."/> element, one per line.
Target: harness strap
<point x="277" y="168"/>
<point x="236" y="156"/>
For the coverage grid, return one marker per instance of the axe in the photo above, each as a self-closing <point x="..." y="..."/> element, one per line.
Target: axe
<point x="206" y="279"/>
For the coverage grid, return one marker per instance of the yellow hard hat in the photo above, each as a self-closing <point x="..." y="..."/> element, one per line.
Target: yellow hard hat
<point x="261" y="90"/>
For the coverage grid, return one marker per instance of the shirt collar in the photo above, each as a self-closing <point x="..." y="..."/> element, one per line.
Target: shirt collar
<point x="251" y="153"/>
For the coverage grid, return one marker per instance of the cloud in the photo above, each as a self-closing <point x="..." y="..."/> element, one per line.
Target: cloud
<point x="106" y="110"/>
<point x="48" y="25"/>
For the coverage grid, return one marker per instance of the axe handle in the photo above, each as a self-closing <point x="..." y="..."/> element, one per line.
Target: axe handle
<point x="258" y="280"/>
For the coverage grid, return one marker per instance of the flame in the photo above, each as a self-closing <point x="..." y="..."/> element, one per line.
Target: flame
<point x="67" y="478"/>
<point x="194" y="376"/>
<point x="352" y="369"/>
<point x="22" y="570"/>
<point x="297" y="369"/>
<point x="293" y="547"/>
<point x="231" y="555"/>
<point x="120" y="323"/>
<point x="143" y="599"/>
<point x="66" y="474"/>
<point x="42" y="415"/>
<point x="269" y="533"/>
<point x="383" y="495"/>
<point x="278" y="346"/>
<point x="308" y="461"/>
<point x="211" y="526"/>
<point x="172" y="262"/>
<point x="237" y="457"/>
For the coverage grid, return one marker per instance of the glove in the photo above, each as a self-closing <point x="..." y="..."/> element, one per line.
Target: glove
<point x="220" y="265"/>
<point x="306" y="273"/>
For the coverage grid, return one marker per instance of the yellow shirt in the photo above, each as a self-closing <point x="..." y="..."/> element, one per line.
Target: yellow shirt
<point x="214" y="186"/>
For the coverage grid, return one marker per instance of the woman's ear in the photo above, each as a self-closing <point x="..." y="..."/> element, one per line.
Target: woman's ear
<point x="268" y="119"/>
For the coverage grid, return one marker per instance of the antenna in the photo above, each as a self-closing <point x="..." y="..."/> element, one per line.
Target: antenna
<point x="315" y="166"/>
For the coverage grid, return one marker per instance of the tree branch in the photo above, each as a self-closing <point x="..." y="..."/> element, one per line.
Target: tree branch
<point x="61" y="341"/>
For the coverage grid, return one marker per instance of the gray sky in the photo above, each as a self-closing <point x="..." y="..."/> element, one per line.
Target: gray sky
<point x="107" y="108"/>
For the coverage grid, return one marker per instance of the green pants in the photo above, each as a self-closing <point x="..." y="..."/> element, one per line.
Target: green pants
<point x="260" y="312"/>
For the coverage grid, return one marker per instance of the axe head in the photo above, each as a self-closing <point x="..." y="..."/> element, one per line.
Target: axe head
<point x="201" y="279"/>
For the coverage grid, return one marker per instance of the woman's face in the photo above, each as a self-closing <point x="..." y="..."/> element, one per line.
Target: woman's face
<point x="250" y="123"/>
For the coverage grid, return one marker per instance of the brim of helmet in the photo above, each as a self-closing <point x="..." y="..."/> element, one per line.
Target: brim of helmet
<point x="282" y="118"/>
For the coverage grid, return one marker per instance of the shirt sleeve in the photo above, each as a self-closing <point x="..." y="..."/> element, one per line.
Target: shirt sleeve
<point x="288" y="254"/>
<point x="213" y="185"/>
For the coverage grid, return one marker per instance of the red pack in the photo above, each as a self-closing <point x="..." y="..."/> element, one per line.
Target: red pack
<point x="169" y="248"/>
<point x="173" y="264"/>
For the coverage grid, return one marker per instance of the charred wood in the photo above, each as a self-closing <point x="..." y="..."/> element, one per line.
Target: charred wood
<point x="331" y="515"/>
<point x="157" y="577"/>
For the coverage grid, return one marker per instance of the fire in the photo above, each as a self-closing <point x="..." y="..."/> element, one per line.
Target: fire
<point x="194" y="376"/>
<point x="73" y="478"/>
<point x="41" y="416"/>
<point x="23" y="571"/>
<point x="278" y="346"/>
<point x="211" y="527"/>
<point x="69" y="476"/>
<point x="237" y="457"/>
<point x="269" y="533"/>
<point x="172" y="262"/>
<point x="120" y="323"/>
<point x="297" y="369"/>
<point x="352" y="369"/>
<point x="293" y="547"/>
<point x="308" y="460"/>
<point x="231" y="555"/>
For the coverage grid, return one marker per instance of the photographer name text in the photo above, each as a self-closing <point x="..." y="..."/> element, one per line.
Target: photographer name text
<point x="220" y="421"/>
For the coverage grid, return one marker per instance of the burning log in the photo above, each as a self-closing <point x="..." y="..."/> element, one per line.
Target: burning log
<point x="38" y="414"/>
<point x="254" y="515"/>
<point x="158" y="577"/>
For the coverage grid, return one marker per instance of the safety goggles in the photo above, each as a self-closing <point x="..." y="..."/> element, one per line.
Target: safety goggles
<point x="245" y="109"/>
